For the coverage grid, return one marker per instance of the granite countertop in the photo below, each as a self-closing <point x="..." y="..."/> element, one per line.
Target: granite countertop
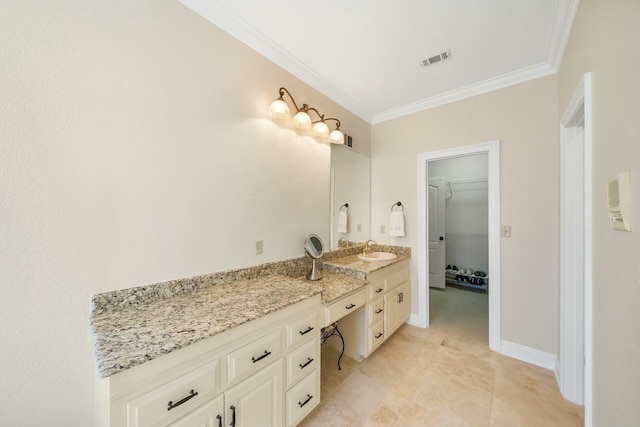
<point x="335" y="286"/>
<point x="353" y="266"/>
<point x="135" y="325"/>
<point x="137" y="334"/>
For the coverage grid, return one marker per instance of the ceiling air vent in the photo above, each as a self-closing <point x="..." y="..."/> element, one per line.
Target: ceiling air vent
<point x="436" y="58"/>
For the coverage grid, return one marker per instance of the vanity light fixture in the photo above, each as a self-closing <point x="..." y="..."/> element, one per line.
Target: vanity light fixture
<point x="279" y="109"/>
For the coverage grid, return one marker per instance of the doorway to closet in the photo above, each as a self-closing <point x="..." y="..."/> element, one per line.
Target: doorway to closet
<point x="458" y="246"/>
<point x="428" y="197"/>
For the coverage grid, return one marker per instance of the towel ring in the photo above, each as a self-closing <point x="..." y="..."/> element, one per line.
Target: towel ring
<point x="346" y="205"/>
<point x="397" y="204"/>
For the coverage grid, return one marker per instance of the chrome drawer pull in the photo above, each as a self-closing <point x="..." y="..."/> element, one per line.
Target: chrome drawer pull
<point x="302" y="366"/>
<point x="309" y="397"/>
<point x="379" y="335"/>
<point x="309" y="329"/>
<point x="378" y="311"/>
<point x="350" y="306"/>
<point x="266" y="353"/>
<point x="172" y="405"/>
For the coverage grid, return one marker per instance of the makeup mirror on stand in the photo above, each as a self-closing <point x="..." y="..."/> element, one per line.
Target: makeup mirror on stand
<point x="314" y="250"/>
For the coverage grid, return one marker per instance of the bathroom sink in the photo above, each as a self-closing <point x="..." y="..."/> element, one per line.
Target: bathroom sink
<point x="377" y="256"/>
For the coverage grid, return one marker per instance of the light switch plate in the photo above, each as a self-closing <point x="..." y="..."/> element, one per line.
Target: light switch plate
<point x="506" y="231"/>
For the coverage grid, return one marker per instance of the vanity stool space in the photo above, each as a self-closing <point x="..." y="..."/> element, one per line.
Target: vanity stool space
<point x="262" y="373"/>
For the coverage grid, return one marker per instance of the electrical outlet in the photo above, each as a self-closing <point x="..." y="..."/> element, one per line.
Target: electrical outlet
<point x="258" y="247"/>
<point x="382" y="229"/>
<point x="506" y="231"/>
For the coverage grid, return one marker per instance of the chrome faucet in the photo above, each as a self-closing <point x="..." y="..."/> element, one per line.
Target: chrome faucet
<point x="367" y="247"/>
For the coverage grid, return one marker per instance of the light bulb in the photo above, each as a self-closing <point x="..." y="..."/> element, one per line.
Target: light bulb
<point x="302" y="120"/>
<point x="336" y="137"/>
<point x="321" y="130"/>
<point x="279" y="109"/>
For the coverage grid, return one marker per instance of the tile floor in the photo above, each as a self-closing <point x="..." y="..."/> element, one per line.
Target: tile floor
<point x="432" y="377"/>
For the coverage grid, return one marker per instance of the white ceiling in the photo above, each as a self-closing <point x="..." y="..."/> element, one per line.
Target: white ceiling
<point x="366" y="54"/>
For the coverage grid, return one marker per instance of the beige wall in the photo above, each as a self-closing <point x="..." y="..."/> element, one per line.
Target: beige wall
<point x="524" y="119"/>
<point x="605" y="40"/>
<point x="135" y="149"/>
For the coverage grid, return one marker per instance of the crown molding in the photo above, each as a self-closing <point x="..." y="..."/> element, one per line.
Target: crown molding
<point x="489" y="85"/>
<point x="232" y="24"/>
<point x="222" y="17"/>
<point x="564" y="15"/>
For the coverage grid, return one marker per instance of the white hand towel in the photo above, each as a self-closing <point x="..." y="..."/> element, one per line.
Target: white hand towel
<point x="396" y="224"/>
<point x="342" y="222"/>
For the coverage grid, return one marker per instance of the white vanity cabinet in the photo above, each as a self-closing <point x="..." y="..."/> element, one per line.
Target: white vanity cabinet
<point x="388" y="305"/>
<point x="264" y="373"/>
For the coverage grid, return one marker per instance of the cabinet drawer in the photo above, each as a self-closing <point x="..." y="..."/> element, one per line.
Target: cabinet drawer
<point x="209" y="414"/>
<point x="397" y="277"/>
<point x="375" y="336"/>
<point x="181" y="395"/>
<point x="254" y="356"/>
<point x="344" y="306"/>
<point x="302" y="398"/>
<point x="301" y="330"/>
<point x="377" y="288"/>
<point x="376" y="311"/>
<point x="302" y="361"/>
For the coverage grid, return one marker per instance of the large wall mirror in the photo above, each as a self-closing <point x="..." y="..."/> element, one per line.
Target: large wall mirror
<point x="350" y="184"/>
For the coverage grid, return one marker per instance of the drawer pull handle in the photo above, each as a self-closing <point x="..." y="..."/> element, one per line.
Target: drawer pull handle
<point x="219" y="418"/>
<point x="302" y="366"/>
<point x="309" y="397"/>
<point x="172" y="405"/>
<point x="379" y="335"/>
<point x="379" y="290"/>
<point x="350" y="306"/>
<point x="309" y="329"/>
<point x="257" y="359"/>
<point x="378" y="311"/>
<point x="233" y="416"/>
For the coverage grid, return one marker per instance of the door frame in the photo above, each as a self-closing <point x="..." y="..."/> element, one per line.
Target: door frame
<point x="576" y="322"/>
<point x="492" y="148"/>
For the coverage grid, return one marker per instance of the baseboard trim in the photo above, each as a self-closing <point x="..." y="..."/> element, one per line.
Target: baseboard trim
<point x="529" y="355"/>
<point x="414" y="320"/>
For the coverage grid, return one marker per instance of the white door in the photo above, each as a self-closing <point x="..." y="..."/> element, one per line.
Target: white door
<point x="436" y="232"/>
